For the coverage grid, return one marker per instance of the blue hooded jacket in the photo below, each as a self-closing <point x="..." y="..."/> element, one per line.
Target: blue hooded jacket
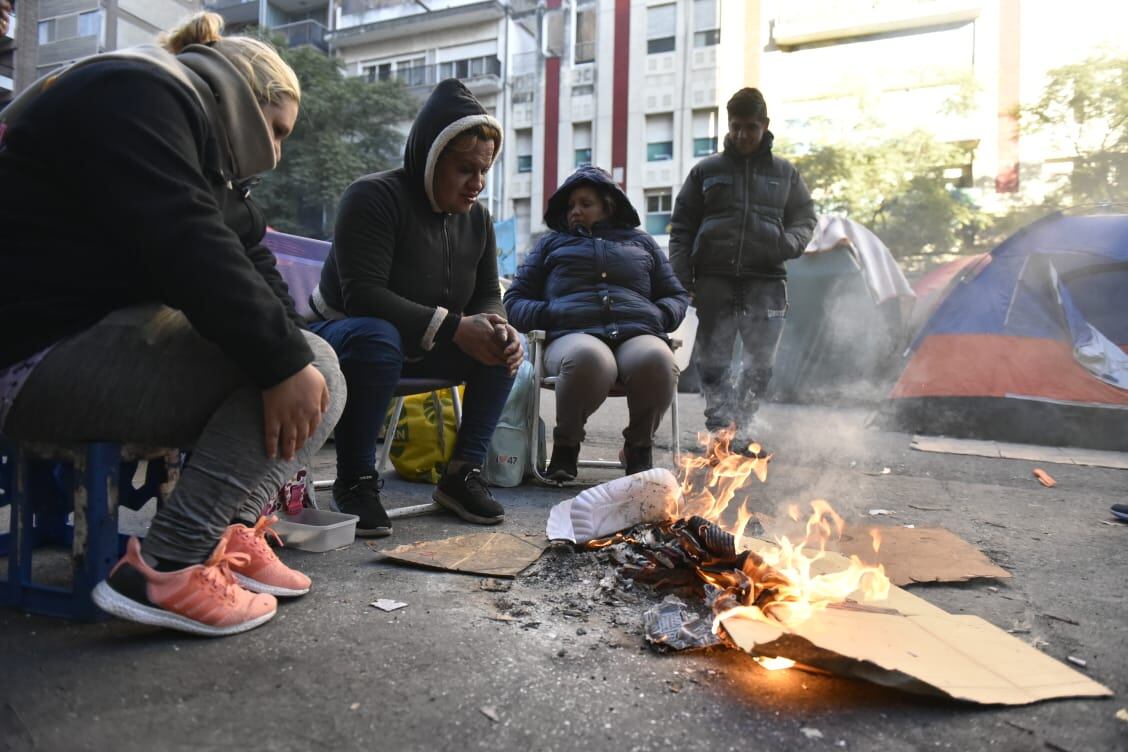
<point x="612" y="282"/>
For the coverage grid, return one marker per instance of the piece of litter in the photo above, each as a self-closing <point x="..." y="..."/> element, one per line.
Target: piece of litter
<point x="886" y="471"/>
<point x="385" y="604"/>
<point x="1122" y="714"/>
<point x="1044" y="478"/>
<point x="354" y="706"/>
<point x="1065" y="619"/>
<point x="811" y="733"/>
<point x="493" y="585"/>
<point x="501" y="617"/>
<point x="1076" y="661"/>
<point x="924" y="508"/>
<point x="910" y="527"/>
<point x="491" y="713"/>
<point x="882" y="512"/>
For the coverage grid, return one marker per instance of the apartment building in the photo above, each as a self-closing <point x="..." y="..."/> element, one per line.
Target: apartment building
<point x="298" y="22"/>
<point x="490" y="45"/>
<point x="51" y="33"/>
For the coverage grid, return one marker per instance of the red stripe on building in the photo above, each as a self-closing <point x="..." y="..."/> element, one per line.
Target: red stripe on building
<point x="621" y="82"/>
<point x="551" y="118"/>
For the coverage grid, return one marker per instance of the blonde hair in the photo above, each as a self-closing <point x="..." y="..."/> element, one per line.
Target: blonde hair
<point x="470" y="137"/>
<point x="268" y="75"/>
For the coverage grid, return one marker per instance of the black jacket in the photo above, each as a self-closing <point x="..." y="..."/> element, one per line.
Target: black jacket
<point x="612" y="282"/>
<point x="115" y="191"/>
<point x="395" y="256"/>
<point x="740" y="216"/>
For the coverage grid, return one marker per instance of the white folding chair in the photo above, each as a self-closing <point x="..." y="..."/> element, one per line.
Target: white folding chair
<point x="536" y="340"/>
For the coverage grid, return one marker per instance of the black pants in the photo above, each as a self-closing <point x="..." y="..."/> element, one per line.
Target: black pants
<point x="754" y="309"/>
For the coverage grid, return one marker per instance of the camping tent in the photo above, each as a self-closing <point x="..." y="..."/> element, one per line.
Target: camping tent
<point x="1029" y="344"/>
<point x="849" y="305"/>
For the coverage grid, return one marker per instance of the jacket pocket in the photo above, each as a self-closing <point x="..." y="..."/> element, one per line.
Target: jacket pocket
<point x="717" y="190"/>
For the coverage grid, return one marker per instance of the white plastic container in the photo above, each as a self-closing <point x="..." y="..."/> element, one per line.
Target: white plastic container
<point x="316" y="529"/>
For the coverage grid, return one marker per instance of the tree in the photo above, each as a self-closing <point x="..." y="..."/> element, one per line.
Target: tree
<point x="346" y="128"/>
<point x="1085" y="105"/>
<point x="896" y="187"/>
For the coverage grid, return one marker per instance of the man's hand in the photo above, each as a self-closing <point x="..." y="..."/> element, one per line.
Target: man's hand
<point x="292" y="411"/>
<point x="477" y="337"/>
<point x="514" y="352"/>
<point x="5" y="17"/>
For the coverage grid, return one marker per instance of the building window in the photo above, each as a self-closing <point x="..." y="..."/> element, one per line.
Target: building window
<point x="659" y="137"/>
<point x="659" y="206"/>
<point x="47" y="31"/>
<point x="525" y="150"/>
<point x="523" y="211"/>
<point x="661" y="23"/>
<point x="581" y="142"/>
<point x="704" y="132"/>
<point x="706" y="23"/>
<point x="90" y="23"/>
<point x="583" y="90"/>
<point x="585" y="34"/>
<point x="412" y="71"/>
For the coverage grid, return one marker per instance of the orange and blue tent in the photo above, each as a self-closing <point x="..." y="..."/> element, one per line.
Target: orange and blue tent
<point x="1029" y="343"/>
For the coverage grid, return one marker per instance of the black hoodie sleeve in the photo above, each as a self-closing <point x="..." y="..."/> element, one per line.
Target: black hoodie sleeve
<point x="364" y="247"/>
<point x="487" y="292"/>
<point x="136" y="160"/>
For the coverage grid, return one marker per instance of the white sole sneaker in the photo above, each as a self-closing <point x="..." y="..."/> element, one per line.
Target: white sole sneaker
<point x="261" y="587"/>
<point x="113" y="602"/>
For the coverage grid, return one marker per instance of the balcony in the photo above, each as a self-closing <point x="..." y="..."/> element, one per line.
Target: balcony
<point x="235" y="13"/>
<point x="304" y="33"/>
<point x="482" y="75"/>
<point x="815" y="22"/>
<point x="382" y="24"/>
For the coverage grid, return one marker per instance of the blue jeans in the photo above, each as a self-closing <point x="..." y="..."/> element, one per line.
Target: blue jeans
<point x="370" y="351"/>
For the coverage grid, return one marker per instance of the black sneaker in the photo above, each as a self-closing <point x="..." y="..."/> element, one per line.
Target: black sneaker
<point x="362" y="498"/>
<point x="636" y="459"/>
<point x="563" y="465"/>
<point x="466" y="494"/>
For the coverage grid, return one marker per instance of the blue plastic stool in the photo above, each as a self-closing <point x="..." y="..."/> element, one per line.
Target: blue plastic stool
<point x="42" y="489"/>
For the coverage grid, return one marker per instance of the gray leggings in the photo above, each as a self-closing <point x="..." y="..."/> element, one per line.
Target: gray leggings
<point x="143" y="375"/>
<point x="587" y="368"/>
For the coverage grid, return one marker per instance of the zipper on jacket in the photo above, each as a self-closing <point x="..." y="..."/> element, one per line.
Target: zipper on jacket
<point x="743" y="219"/>
<point x="446" y="262"/>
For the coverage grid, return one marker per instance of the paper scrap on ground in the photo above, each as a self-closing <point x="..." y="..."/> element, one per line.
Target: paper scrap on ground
<point x="387" y="605"/>
<point x="909" y="554"/>
<point x="492" y="554"/>
<point x="907" y="643"/>
<point x="1044" y="478"/>
<point x="1031" y="452"/>
<point x="599" y="511"/>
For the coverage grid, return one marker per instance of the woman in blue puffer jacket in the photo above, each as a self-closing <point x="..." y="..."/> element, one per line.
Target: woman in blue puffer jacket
<point x="606" y="296"/>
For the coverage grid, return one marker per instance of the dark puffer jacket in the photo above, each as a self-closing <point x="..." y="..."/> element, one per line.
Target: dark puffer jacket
<point x="612" y="282"/>
<point x="740" y="216"/>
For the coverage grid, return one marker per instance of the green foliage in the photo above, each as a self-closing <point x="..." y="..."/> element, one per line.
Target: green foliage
<point x="1086" y="105"/>
<point x="896" y="188"/>
<point x="346" y="128"/>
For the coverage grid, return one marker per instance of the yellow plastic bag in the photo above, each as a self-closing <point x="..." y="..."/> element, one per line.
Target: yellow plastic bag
<point x="422" y="444"/>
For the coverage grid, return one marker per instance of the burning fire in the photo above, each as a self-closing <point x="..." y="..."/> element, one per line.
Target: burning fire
<point x="780" y="586"/>
<point x="699" y="553"/>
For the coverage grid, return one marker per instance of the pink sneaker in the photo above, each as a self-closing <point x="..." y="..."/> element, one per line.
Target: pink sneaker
<point x="203" y="599"/>
<point x="264" y="572"/>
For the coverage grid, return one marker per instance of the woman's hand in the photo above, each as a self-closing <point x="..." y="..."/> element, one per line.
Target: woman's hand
<point x="292" y="411"/>
<point x="514" y="351"/>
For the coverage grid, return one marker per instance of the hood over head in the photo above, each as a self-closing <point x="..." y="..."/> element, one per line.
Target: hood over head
<point x="450" y="110"/>
<point x="556" y="214"/>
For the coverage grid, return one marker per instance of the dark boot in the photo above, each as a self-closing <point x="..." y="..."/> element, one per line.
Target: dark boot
<point x="564" y="463"/>
<point x="636" y="458"/>
<point x="362" y="498"/>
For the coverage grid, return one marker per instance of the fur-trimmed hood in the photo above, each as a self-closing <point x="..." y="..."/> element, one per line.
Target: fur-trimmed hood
<point x="450" y="110"/>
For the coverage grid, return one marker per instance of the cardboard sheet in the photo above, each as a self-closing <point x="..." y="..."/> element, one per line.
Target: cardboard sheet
<point x="493" y="554"/>
<point x="910" y="555"/>
<point x="907" y="643"/>
<point x="1032" y="452"/>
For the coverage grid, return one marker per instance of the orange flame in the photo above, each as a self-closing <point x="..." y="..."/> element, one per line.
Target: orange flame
<point x="876" y="535"/>
<point x="773" y="664"/>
